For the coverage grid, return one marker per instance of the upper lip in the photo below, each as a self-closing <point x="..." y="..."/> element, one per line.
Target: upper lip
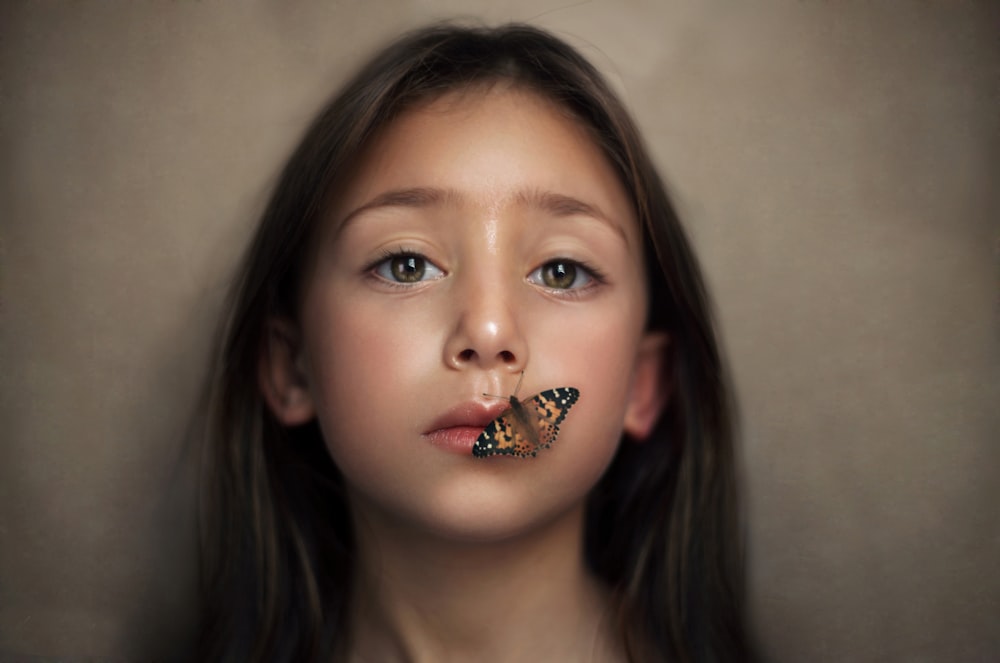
<point x="474" y="414"/>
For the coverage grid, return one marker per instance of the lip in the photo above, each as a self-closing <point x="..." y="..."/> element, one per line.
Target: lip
<point x="457" y="429"/>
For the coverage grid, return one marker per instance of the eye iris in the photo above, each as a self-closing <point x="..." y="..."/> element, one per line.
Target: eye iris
<point x="559" y="275"/>
<point x="408" y="269"/>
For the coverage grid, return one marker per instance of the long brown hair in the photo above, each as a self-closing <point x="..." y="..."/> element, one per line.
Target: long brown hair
<point x="662" y="528"/>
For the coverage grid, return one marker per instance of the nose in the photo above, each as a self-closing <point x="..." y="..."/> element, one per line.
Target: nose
<point x="486" y="334"/>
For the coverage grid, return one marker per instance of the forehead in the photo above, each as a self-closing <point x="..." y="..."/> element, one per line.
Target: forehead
<point x="488" y="147"/>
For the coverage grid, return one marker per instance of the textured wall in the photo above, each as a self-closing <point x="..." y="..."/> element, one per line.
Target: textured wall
<point x="837" y="165"/>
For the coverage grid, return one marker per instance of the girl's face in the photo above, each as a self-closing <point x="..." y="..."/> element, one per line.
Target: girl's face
<point x="482" y="235"/>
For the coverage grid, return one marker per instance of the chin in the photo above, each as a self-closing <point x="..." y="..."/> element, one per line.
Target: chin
<point x="483" y="516"/>
<point x="488" y="529"/>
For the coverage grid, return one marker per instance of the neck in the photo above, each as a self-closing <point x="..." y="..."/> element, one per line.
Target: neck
<point x="420" y="597"/>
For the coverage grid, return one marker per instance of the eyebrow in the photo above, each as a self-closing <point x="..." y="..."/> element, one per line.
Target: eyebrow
<point x="414" y="197"/>
<point x="556" y="204"/>
<point x="561" y="205"/>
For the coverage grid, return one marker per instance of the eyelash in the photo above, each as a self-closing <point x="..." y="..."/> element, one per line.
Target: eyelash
<point x="385" y="259"/>
<point x="594" y="276"/>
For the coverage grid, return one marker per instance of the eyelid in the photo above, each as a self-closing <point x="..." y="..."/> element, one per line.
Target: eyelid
<point x="594" y="277"/>
<point x="387" y="255"/>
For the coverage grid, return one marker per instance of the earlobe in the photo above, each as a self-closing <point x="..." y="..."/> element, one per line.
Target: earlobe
<point x="280" y="377"/>
<point x="649" y="392"/>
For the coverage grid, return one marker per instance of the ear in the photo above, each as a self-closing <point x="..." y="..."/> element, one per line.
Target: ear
<point x="649" y="393"/>
<point x="281" y="376"/>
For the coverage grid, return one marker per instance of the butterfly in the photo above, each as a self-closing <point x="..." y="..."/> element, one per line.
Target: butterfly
<point x="527" y="426"/>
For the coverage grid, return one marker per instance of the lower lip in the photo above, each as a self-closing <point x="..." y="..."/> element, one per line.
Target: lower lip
<point x="458" y="439"/>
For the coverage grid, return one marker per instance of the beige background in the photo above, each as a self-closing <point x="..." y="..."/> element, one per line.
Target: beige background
<point x="837" y="164"/>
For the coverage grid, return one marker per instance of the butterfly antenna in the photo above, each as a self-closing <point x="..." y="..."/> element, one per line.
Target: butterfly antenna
<point x="515" y="388"/>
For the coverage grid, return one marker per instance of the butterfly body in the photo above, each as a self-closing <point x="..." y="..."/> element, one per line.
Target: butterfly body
<point x="527" y="426"/>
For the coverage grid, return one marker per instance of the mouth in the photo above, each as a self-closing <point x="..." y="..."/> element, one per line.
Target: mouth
<point x="457" y="429"/>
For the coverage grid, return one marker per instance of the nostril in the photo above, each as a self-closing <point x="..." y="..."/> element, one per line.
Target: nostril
<point x="466" y="355"/>
<point x="507" y="357"/>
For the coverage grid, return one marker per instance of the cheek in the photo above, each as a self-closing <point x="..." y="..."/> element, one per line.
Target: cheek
<point x="592" y="349"/>
<point x="589" y="436"/>
<point x="595" y="355"/>
<point x="364" y="366"/>
<point x="357" y="348"/>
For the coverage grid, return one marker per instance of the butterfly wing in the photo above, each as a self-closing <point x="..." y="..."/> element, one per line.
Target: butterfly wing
<point x="526" y="427"/>
<point x="501" y="437"/>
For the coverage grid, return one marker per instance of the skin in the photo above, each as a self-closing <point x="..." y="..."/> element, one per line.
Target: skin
<point x="447" y="269"/>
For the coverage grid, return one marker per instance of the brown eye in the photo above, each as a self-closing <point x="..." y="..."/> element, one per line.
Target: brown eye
<point x="559" y="275"/>
<point x="566" y="277"/>
<point x="408" y="269"/>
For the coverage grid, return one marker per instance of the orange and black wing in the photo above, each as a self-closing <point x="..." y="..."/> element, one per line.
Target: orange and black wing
<point x="526" y="427"/>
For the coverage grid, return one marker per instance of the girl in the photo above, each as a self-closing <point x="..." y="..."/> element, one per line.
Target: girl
<point x="473" y="210"/>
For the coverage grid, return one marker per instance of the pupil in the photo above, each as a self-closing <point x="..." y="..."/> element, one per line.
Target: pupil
<point x="560" y="275"/>
<point x="408" y="269"/>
